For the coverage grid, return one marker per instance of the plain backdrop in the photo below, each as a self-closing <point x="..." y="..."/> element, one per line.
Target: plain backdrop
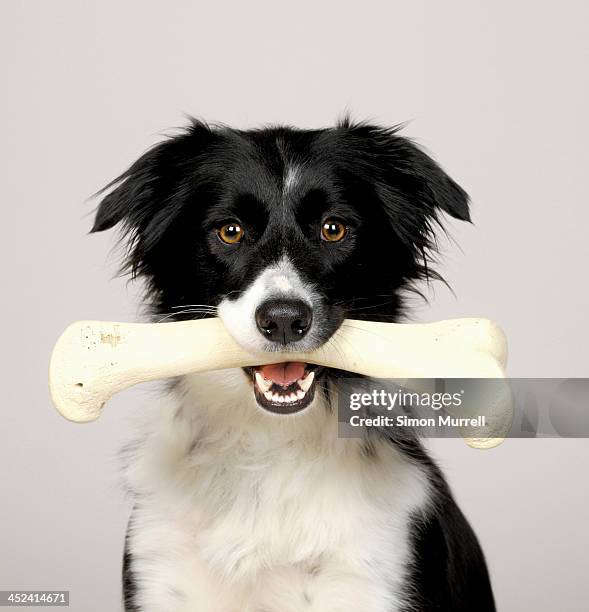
<point x="497" y="91"/>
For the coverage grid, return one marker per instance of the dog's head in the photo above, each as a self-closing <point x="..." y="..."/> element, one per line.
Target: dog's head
<point x="281" y="232"/>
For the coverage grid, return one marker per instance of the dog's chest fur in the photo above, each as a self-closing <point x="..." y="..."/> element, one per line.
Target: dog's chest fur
<point x="237" y="510"/>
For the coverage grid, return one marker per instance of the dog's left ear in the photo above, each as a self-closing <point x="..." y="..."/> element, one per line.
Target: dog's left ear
<point x="400" y="169"/>
<point x="432" y="183"/>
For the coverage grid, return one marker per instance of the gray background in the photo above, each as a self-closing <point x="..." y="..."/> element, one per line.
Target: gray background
<point x="497" y="90"/>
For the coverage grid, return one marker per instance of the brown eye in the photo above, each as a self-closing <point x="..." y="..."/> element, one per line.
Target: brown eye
<point x="333" y="230"/>
<point x="231" y="233"/>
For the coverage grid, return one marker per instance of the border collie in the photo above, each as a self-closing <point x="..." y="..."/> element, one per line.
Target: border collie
<point x="245" y="498"/>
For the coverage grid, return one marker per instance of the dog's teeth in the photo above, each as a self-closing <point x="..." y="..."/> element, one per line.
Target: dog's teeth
<point x="293" y="397"/>
<point x="264" y="385"/>
<point x="268" y="395"/>
<point x="305" y="383"/>
<point x="281" y="399"/>
<point x="276" y="397"/>
<point x="300" y="394"/>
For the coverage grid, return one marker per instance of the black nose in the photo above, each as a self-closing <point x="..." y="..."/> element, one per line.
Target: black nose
<point x="284" y="321"/>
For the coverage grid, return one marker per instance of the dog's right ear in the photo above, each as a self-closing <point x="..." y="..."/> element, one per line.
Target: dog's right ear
<point x="133" y="190"/>
<point x="150" y="192"/>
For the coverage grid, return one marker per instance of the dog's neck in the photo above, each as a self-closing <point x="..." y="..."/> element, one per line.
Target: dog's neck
<point x="223" y="403"/>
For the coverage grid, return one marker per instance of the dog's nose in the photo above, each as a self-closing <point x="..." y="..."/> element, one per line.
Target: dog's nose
<point x="284" y="321"/>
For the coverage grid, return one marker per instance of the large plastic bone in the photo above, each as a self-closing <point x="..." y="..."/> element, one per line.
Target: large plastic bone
<point x="93" y="360"/>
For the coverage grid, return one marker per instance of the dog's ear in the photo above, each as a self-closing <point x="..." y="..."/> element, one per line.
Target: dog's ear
<point x="133" y="191"/>
<point x="148" y="197"/>
<point x="430" y="182"/>
<point x="149" y="193"/>
<point x="399" y="168"/>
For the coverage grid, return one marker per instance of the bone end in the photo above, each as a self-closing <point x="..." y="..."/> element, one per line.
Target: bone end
<point x="69" y="375"/>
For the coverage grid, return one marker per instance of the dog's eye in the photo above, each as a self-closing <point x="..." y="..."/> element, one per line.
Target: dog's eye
<point x="231" y="233"/>
<point x="333" y="230"/>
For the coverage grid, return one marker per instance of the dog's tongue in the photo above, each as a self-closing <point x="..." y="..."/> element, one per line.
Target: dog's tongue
<point x="283" y="374"/>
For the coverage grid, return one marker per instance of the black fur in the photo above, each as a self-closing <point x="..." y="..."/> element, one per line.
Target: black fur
<point x="387" y="189"/>
<point x="390" y="194"/>
<point x="129" y="584"/>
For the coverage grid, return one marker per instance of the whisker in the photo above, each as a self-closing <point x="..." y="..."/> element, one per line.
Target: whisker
<point x="169" y="315"/>
<point x="194" y="306"/>
<point x="369" y="307"/>
<point x="367" y="331"/>
<point x="378" y="316"/>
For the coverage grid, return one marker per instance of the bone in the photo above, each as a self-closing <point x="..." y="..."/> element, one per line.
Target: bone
<point x="93" y="360"/>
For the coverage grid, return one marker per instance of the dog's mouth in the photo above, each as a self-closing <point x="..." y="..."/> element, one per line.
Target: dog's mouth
<point x="284" y="388"/>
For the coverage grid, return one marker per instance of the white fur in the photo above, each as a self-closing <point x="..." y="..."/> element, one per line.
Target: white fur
<point x="278" y="280"/>
<point x="239" y="510"/>
<point x="290" y="179"/>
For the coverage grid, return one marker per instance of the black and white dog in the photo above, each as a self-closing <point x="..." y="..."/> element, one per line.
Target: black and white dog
<point x="245" y="497"/>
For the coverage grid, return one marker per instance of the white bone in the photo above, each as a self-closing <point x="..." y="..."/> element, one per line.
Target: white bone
<point x="92" y="360"/>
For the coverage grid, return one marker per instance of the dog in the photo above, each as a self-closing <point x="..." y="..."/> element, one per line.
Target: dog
<point x="245" y="498"/>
